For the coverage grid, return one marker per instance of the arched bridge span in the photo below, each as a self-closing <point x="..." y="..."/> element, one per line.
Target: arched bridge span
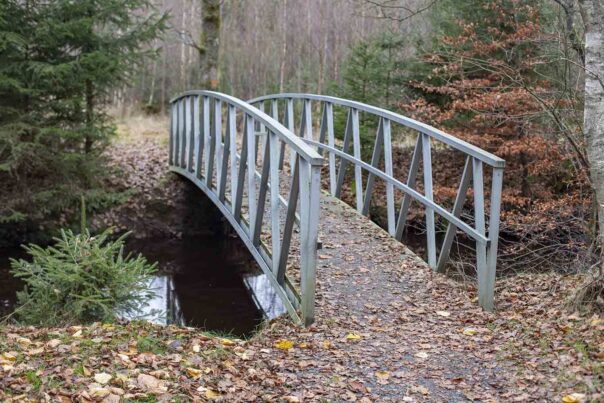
<point x="240" y="156"/>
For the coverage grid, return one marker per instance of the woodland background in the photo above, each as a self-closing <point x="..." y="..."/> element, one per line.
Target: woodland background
<point x="506" y="75"/>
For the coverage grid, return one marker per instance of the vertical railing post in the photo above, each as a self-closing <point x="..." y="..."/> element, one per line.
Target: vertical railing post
<point x="488" y="302"/>
<point x="428" y="192"/>
<point x="182" y="132"/>
<point x="289" y="123"/>
<point x="358" y="173"/>
<point x="389" y="171"/>
<point x="331" y="143"/>
<point x="198" y="138"/>
<point x="251" y="172"/>
<point x="310" y="182"/>
<point x="173" y="129"/>
<point x="484" y="295"/>
<point x="191" y="126"/>
<point x="218" y="138"/>
<point x="275" y="148"/>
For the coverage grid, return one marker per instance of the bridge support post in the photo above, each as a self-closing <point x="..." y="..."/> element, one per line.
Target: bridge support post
<point x="310" y="185"/>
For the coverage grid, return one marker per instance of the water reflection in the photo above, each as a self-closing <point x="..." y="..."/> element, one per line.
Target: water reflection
<point x="210" y="282"/>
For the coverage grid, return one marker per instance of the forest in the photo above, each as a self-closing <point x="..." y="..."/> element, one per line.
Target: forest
<point x="87" y="92"/>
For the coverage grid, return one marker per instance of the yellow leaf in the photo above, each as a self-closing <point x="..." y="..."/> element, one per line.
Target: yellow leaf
<point x="227" y="342"/>
<point x="8" y="358"/>
<point x="468" y="331"/>
<point x="211" y="394"/>
<point x="444" y="314"/>
<point x="194" y="373"/>
<point x="284" y="344"/>
<point x="382" y="374"/>
<point x="595" y="321"/>
<point x="353" y="336"/>
<point x="303" y="345"/>
<point x="326" y="344"/>
<point x="574" y="398"/>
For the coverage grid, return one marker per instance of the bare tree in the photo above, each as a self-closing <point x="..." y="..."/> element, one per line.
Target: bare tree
<point x="210" y="43"/>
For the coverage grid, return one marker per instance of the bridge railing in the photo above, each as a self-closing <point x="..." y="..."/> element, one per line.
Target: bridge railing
<point x="484" y="229"/>
<point x="214" y="143"/>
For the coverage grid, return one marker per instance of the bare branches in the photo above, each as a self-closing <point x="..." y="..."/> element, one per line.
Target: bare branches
<point x="386" y="7"/>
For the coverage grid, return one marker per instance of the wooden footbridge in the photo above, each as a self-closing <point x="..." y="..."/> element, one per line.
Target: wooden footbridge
<point x="239" y="154"/>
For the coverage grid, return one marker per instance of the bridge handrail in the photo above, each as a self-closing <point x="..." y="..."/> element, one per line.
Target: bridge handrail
<point x="437" y="134"/>
<point x="204" y="148"/>
<point x="304" y="150"/>
<point x="484" y="232"/>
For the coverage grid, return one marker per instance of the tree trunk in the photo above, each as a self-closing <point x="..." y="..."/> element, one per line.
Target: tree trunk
<point x="283" y="49"/>
<point x="89" y="116"/>
<point x="593" y="119"/>
<point x="210" y="43"/>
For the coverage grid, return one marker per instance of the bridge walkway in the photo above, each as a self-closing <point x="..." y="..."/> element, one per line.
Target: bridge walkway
<point x="388" y="326"/>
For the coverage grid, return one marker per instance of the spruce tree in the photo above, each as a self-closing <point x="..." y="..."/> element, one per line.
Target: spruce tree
<point x="58" y="61"/>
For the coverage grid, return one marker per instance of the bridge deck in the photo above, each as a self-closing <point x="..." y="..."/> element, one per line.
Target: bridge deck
<point x="411" y="323"/>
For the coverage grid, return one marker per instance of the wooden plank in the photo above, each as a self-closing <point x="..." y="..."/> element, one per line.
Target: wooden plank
<point x="275" y="202"/>
<point x="310" y="183"/>
<point x="375" y="161"/>
<point x="411" y="179"/>
<point x="428" y="193"/>
<point x="251" y="171"/>
<point x="358" y="173"/>
<point x="481" y="247"/>
<point x="218" y="139"/>
<point x="344" y="162"/>
<point x="173" y="130"/>
<point x="460" y="199"/>
<point x="389" y="171"/>
<point x="183" y="133"/>
<point x="224" y="160"/>
<point x="206" y="139"/>
<point x="232" y="133"/>
<point x="238" y="199"/>
<point x="198" y="138"/>
<point x="264" y="177"/>
<point x="289" y="123"/>
<point x="488" y="294"/>
<point x="191" y="118"/>
<point x="290" y="216"/>
<point x="331" y="143"/>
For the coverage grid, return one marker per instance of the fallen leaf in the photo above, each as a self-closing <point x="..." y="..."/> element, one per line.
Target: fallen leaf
<point x="227" y="342"/>
<point x="353" y="336"/>
<point x="211" y="394"/>
<point x="194" y="373"/>
<point x="444" y="314"/>
<point x="103" y="378"/>
<point x="574" y="398"/>
<point x="468" y="331"/>
<point x="284" y="344"/>
<point x="421" y="354"/>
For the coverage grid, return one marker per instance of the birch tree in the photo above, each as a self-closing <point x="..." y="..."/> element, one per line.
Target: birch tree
<point x="592" y="12"/>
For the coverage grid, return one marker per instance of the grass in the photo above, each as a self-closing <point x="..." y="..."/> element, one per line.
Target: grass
<point x="150" y="344"/>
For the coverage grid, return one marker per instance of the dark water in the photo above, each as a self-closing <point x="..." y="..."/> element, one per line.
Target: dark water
<point x="210" y="282"/>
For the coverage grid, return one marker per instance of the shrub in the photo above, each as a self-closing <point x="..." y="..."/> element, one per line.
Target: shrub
<point x="81" y="279"/>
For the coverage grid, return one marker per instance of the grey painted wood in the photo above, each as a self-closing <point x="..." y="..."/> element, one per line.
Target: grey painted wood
<point x="375" y="161"/>
<point x="388" y="168"/>
<point x="428" y="192"/>
<point x="411" y="179"/>
<point x="344" y="161"/>
<point x="358" y="173"/>
<point x="460" y="199"/>
<point x="263" y="189"/>
<point x="191" y="126"/>
<point x="275" y="208"/>
<point x="198" y="137"/>
<point x="331" y="143"/>
<point x="182" y="133"/>
<point x="481" y="247"/>
<point x="289" y="221"/>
